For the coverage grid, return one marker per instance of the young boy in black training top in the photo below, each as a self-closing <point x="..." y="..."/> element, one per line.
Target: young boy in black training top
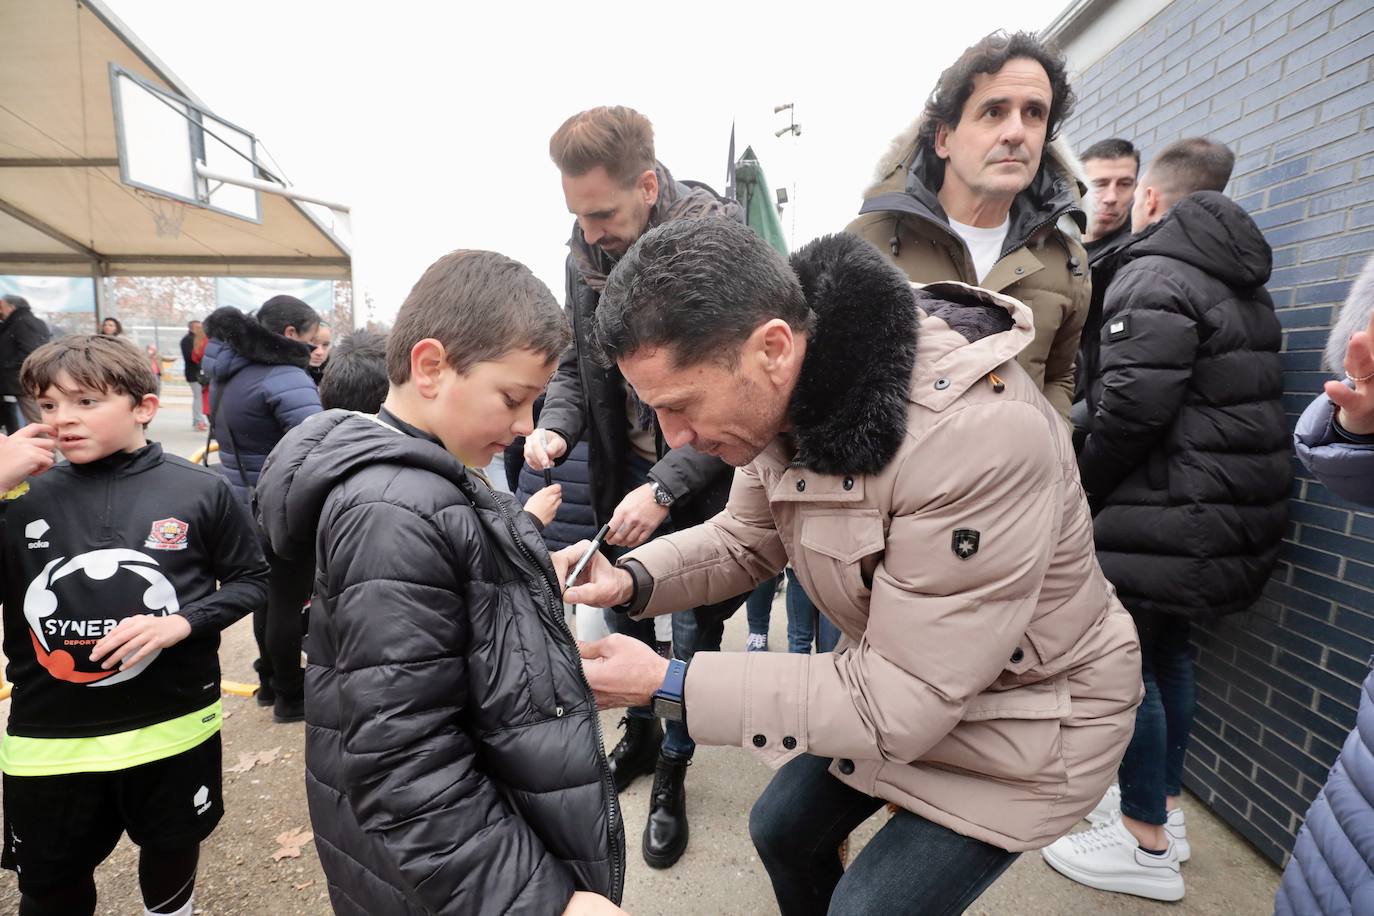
<point x="108" y="572"/>
<point x="453" y="754"/>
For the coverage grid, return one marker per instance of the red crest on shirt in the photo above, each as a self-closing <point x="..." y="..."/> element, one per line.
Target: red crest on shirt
<point x="167" y="534"/>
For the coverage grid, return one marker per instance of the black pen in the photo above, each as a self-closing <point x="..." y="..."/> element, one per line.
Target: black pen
<point x="596" y="545"/>
<point x="548" y="469"/>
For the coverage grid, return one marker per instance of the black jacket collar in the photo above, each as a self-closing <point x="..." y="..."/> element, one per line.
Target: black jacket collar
<point x="134" y="462"/>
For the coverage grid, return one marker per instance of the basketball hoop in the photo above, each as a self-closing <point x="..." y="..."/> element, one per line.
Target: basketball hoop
<point x="167" y="214"/>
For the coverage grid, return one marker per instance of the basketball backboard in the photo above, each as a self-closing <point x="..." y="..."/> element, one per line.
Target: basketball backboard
<point x="166" y="141"/>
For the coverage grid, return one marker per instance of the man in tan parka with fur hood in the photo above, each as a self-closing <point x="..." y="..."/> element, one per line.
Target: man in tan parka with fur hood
<point x="980" y="190"/>
<point x="889" y="449"/>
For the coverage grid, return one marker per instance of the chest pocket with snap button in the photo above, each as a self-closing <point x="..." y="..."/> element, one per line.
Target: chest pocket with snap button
<point x="836" y="546"/>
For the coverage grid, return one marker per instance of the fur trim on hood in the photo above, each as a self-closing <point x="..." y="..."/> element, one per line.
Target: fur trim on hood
<point x="1058" y="155"/>
<point x="242" y="334"/>
<point x="848" y="410"/>
<point x="1354" y="316"/>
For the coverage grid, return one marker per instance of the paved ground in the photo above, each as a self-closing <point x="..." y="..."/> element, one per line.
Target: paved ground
<point x="718" y="875"/>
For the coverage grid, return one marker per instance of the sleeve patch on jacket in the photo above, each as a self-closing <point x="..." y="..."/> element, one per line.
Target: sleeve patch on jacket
<point x="965" y="542"/>
<point x="1118" y="328"/>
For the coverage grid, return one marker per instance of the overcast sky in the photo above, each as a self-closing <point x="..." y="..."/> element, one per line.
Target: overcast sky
<point x="432" y="119"/>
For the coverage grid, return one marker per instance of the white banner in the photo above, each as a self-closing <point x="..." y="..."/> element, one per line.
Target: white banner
<point x="52" y="294"/>
<point x="247" y="293"/>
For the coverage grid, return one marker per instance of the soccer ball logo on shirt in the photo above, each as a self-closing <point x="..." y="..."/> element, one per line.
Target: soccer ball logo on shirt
<point x="127" y="582"/>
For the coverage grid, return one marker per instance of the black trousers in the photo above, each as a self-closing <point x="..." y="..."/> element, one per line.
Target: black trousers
<point x="279" y="625"/>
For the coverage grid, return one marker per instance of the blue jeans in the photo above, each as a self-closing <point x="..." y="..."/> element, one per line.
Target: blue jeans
<point x="911" y="866"/>
<point x="1153" y="765"/>
<point x="759" y="605"/>
<point x="805" y="622"/>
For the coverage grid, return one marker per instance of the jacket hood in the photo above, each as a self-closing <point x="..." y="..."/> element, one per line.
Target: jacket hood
<point x="242" y="342"/>
<point x="315" y="456"/>
<point x="849" y="409"/>
<point x="1354" y="316"/>
<point x="1060" y="186"/>
<point x="1211" y="232"/>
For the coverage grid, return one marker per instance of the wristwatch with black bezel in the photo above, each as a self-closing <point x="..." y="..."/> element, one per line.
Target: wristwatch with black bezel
<point x="661" y="496"/>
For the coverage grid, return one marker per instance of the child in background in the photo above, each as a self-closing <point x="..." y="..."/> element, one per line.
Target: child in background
<point x="119" y="570"/>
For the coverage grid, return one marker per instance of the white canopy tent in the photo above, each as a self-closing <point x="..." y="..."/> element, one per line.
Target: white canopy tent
<point x="64" y="209"/>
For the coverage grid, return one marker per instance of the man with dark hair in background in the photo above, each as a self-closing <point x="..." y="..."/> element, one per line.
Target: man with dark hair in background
<point x="1112" y="166"/>
<point x="21" y="332"/>
<point x="355" y="375"/>
<point x="617" y="190"/>
<point x="981" y="189"/>
<point x="1187" y="466"/>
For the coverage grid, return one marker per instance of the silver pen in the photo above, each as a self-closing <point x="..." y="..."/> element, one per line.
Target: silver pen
<point x="586" y="557"/>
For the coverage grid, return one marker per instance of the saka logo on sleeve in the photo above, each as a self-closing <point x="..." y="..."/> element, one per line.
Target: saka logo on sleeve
<point x="35" y="531"/>
<point x="167" y="534"/>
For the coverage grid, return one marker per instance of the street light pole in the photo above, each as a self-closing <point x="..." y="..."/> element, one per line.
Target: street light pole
<point x="793" y="129"/>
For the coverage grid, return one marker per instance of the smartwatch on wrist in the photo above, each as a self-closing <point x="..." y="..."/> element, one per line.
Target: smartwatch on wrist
<point x="668" y="699"/>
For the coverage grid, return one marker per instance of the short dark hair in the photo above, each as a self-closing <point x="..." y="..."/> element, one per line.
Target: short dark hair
<point x="1188" y="165"/>
<point x="480" y="305"/>
<point x="282" y="312"/>
<point x="619" y="139"/>
<point x="989" y="55"/>
<point x="699" y="287"/>
<point x="18" y="302"/>
<point x="99" y="362"/>
<point x="119" y="325"/>
<point x="1112" y="148"/>
<point x="355" y="376"/>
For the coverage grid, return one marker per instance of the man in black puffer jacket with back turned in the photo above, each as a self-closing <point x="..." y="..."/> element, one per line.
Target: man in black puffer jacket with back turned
<point x="1187" y="467"/>
<point x="21" y="332"/>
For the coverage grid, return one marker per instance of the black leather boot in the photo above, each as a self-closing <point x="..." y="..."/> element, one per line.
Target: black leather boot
<point x="266" y="696"/>
<point x="636" y="751"/>
<point x="665" y="835"/>
<point x="288" y="709"/>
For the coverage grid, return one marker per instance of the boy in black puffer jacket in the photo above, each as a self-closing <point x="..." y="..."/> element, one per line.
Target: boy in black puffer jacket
<point x="454" y="760"/>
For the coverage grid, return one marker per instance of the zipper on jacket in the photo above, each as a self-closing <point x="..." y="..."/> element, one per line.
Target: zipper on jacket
<point x="1053" y="218"/>
<point x="106" y="529"/>
<point x="613" y="830"/>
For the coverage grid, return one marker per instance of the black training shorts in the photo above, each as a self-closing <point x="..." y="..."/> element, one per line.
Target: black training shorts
<point x="60" y="827"/>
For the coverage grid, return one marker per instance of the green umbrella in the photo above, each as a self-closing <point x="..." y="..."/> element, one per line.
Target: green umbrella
<point x="757" y="200"/>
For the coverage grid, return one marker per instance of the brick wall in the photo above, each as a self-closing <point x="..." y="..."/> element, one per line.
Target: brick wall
<point x="1288" y="86"/>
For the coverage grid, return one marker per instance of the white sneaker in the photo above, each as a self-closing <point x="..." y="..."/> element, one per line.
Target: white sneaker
<point x="1108" y="858"/>
<point x="1109" y="809"/>
<point x="757" y="642"/>
<point x="1178" y="834"/>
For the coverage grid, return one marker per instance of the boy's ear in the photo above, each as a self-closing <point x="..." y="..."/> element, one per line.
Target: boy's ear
<point x="428" y="360"/>
<point x="146" y="409"/>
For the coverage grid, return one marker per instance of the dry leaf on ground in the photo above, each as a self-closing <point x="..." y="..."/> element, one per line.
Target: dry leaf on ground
<point x="250" y="759"/>
<point x="291" y="842"/>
